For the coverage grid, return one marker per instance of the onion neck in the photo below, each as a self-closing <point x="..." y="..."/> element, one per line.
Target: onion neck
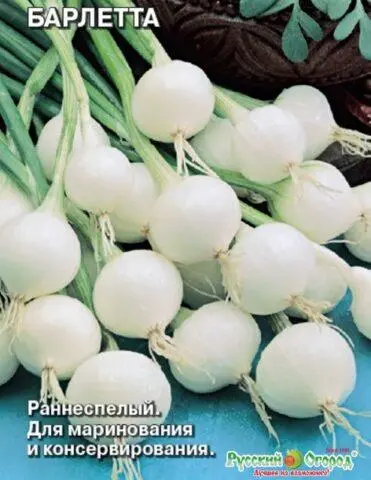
<point x="253" y="216"/>
<point x="243" y="100"/>
<point x="226" y="107"/>
<point x="160" y="56"/>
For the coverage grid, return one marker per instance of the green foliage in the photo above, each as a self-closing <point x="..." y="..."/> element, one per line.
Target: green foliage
<point x="253" y="8"/>
<point x="294" y="43"/>
<point x="338" y="8"/>
<point x="357" y="16"/>
<point x="310" y="27"/>
<point x="346" y="26"/>
<point x="277" y="7"/>
<point x="301" y="26"/>
<point x="365" y="37"/>
<point x="321" y="5"/>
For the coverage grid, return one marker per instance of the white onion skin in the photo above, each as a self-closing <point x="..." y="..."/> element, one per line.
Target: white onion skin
<point x="13" y="203"/>
<point x="132" y="211"/>
<point x="137" y="292"/>
<point x="120" y="378"/>
<point x="328" y="281"/>
<point x="96" y="177"/>
<point x="312" y="110"/>
<point x="303" y="367"/>
<point x="203" y="283"/>
<point x="243" y="232"/>
<point x="321" y="213"/>
<point x="359" y="233"/>
<point x="8" y="361"/>
<point x="195" y="219"/>
<point x="39" y="254"/>
<point x="59" y="332"/>
<point x="272" y="265"/>
<point x="268" y="142"/>
<point x="219" y="343"/>
<point x="360" y="286"/>
<point x="214" y="144"/>
<point x="49" y="138"/>
<point x="172" y="98"/>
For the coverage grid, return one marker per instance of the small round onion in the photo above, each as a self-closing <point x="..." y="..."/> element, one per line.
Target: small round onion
<point x="57" y="332"/>
<point x="328" y="281"/>
<point x="131" y="214"/>
<point x="305" y="367"/>
<point x="269" y="142"/>
<point x="319" y="202"/>
<point x="195" y="219"/>
<point x="137" y="292"/>
<point x="312" y="110"/>
<point x="119" y="378"/>
<point x="219" y="342"/>
<point x="39" y="254"/>
<point x="8" y="361"/>
<point x="360" y="284"/>
<point x="48" y="140"/>
<point x="214" y="144"/>
<point x="173" y="98"/>
<point x="96" y="177"/>
<point x="270" y="266"/>
<point x="359" y="235"/>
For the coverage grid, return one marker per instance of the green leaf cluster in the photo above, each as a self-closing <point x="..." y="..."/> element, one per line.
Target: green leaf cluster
<point x="301" y="26"/>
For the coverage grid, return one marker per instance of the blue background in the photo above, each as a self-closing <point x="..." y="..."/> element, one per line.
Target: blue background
<point x="225" y="420"/>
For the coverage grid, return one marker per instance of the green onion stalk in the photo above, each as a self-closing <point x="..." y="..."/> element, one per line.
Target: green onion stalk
<point x="14" y="15"/>
<point x="63" y="45"/>
<point x="17" y="171"/>
<point x="66" y="54"/>
<point x="55" y="200"/>
<point x="24" y="145"/>
<point x="38" y="123"/>
<point x="52" y="198"/>
<point x="40" y="76"/>
<point x="36" y="40"/>
<point x="21" y="57"/>
<point x="18" y="174"/>
<point x="48" y="108"/>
